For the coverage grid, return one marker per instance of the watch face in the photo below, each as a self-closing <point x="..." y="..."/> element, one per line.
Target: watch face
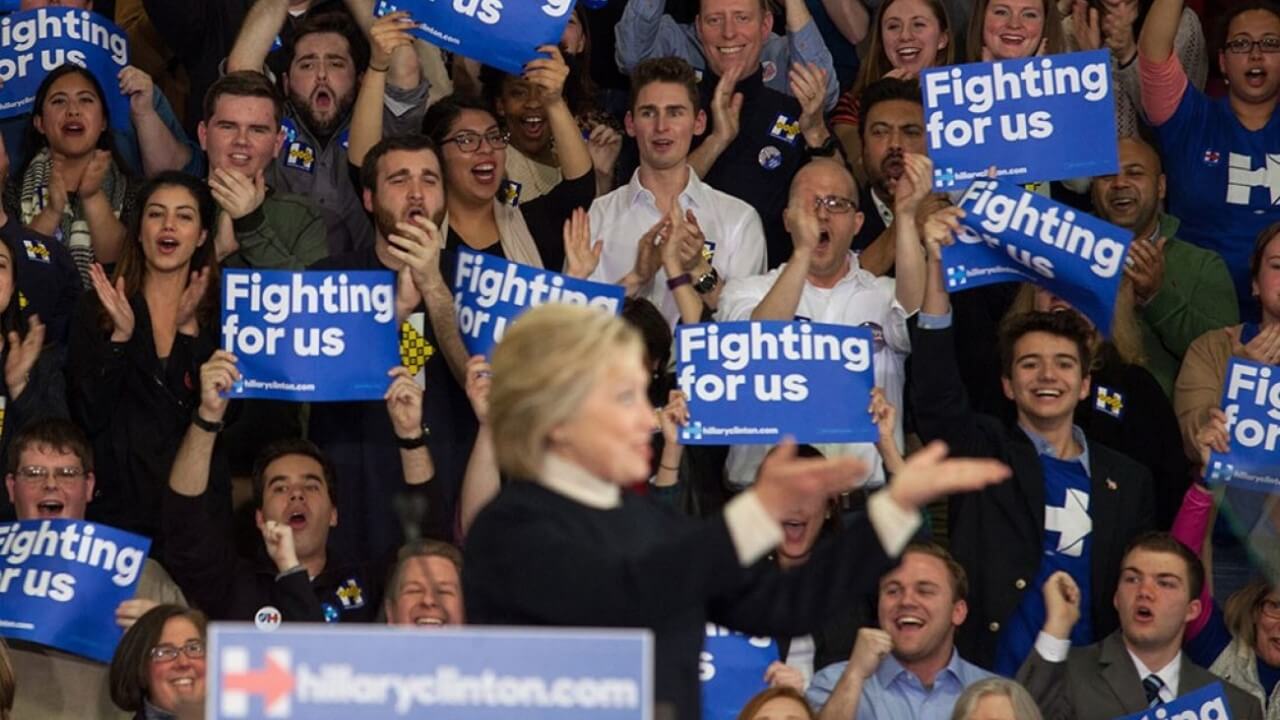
<point x="707" y="282"/>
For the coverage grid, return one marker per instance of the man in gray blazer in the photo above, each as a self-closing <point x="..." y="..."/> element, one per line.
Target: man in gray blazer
<point x="1139" y="667"/>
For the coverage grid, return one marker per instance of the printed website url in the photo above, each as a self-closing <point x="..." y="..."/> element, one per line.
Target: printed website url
<point x="739" y="430"/>
<point x="16" y="625"/>
<point x="278" y="385"/>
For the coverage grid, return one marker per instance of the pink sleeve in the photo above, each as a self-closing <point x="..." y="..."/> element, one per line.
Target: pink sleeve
<point x="1163" y="84"/>
<point x="1189" y="528"/>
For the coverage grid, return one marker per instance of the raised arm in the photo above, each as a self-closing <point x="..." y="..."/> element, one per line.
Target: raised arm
<point x="549" y="74"/>
<point x="404" y="407"/>
<point x="161" y="149"/>
<point x="783" y="298"/>
<point x="850" y="18"/>
<point x="482" y="480"/>
<point x="417" y="244"/>
<point x="388" y="38"/>
<point x="806" y="46"/>
<point x="1155" y="42"/>
<point x="909" y="256"/>
<point x="726" y="111"/>
<point x="257" y="33"/>
<point x="644" y="32"/>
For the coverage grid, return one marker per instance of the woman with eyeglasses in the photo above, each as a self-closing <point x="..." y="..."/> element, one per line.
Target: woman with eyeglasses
<point x="1216" y="151"/>
<point x="158" y="668"/>
<point x="484" y="211"/>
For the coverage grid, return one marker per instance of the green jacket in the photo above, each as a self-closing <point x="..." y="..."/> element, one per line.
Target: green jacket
<point x="1196" y="296"/>
<point x="286" y="232"/>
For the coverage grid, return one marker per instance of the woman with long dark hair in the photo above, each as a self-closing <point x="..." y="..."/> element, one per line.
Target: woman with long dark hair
<point x="137" y="345"/>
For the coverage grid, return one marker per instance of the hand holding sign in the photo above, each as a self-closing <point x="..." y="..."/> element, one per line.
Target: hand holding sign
<point x="115" y="302"/>
<point x="22" y="356"/>
<point x="940" y="230"/>
<point x="1263" y="348"/>
<point x="404" y="403"/>
<point x="673" y="416"/>
<point x="128" y="612"/>
<point x="548" y="74"/>
<point x="1213" y="436"/>
<point x="139" y="87"/>
<point x="217" y="376"/>
<point x="479" y="380"/>
<point x="388" y="33"/>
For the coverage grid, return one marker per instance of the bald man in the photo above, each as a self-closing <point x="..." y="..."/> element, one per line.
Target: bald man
<point x="1182" y="291"/>
<point x="823" y="283"/>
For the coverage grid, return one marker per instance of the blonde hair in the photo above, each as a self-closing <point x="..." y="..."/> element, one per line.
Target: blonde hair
<point x="1024" y="707"/>
<point x="1126" y="333"/>
<point x="1241" y="609"/>
<point x="542" y="370"/>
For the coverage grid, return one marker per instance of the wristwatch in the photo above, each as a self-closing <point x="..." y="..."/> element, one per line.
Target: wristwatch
<point x="206" y="425"/>
<point x="707" y="282"/>
<point x="826" y="149"/>
<point x="413" y="443"/>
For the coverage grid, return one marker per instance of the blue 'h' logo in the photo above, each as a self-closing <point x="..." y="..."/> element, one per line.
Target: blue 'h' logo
<point x="1221" y="472"/>
<point x="692" y="431"/>
<point x="957" y="277"/>
<point x="945" y="177"/>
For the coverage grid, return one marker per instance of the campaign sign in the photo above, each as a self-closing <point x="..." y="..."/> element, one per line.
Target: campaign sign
<point x="1207" y="703"/>
<point x="754" y="382"/>
<point x="500" y="33"/>
<point x="732" y="668"/>
<point x="36" y="41"/>
<point x="323" y="672"/>
<point x="490" y="292"/>
<point x="61" y="580"/>
<point x="310" y="336"/>
<point x="1011" y="235"/>
<point x="1251" y="401"/>
<point x="1035" y="119"/>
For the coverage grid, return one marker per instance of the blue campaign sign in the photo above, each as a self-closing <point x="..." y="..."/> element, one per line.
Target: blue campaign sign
<point x="323" y="672"/>
<point x="1207" y="703"/>
<point x="310" y="336"/>
<point x="732" y="668"/>
<point x="490" y="292"/>
<point x="1035" y="119"/>
<point x="1251" y="401"/>
<point x="1011" y="235"/>
<point x="754" y="382"/>
<point x="34" y="42"/>
<point x="501" y="33"/>
<point x="61" y="580"/>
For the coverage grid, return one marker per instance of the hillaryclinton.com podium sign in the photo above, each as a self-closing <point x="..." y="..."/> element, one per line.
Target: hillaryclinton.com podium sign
<point x="319" y="672"/>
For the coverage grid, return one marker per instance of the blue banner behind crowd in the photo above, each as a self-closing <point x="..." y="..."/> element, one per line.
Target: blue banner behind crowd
<point x="490" y="292"/>
<point x="61" y="580"/>
<point x="1011" y="235"/>
<point x="310" y="336"/>
<point x="732" y="668"/>
<point x="754" y="382"/>
<point x="319" y="672"/>
<point x="34" y="42"/>
<point x="500" y="33"/>
<point x="1207" y="703"/>
<point x="1251" y="401"/>
<point x="1034" y="119"/>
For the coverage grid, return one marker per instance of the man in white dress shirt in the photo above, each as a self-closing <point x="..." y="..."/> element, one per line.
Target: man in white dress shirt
<point x="663" y="118"/>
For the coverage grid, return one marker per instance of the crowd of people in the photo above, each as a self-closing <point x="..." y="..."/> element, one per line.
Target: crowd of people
<point x="1030" y="536"/>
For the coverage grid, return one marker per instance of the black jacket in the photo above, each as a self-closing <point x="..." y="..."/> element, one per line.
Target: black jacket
<point x="203" y="561"/>
<point x="535" y="557"/>
<point x="997" y="534"/>
<point x="135" y="408"/>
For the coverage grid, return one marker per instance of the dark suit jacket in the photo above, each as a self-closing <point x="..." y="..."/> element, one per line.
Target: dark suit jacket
<point x="1101" y="682"/>
<point x="997" y="534"/>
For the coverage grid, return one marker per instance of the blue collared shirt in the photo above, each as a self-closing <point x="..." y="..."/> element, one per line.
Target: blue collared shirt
<point x="894" y="693"/>
<point x="1043" y="447"/>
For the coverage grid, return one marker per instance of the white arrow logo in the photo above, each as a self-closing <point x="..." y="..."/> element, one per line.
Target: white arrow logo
<point x="1071" y="521"/>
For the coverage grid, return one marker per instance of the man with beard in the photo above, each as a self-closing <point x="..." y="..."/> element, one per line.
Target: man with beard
<point x="426" y="586"/>
<point x="326" y="60"/>
<point x="404" y="191"/>
<point x="893" y="124"/>
<point x="295" y="492"/>
<point x="1183" y="290"/>
<point x="908" y="667"/>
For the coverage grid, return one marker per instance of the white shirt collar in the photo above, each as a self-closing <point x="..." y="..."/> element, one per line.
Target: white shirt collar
<point x="569" y="479"/>
<point x="1169" y="674"/>
<point x="855" y="274"/>
<point x="694" y="193"/>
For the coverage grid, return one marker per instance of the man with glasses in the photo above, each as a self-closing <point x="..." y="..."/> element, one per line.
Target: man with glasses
<point x="50" y="476"/>
<point x="664" y="190"/>
<point x="824" y="283"/>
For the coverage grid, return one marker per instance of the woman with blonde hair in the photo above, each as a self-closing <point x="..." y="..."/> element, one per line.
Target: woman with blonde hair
<point x="570" y="416"/>
<point x="1127" y="410"/>
<point x="995" y="698"/>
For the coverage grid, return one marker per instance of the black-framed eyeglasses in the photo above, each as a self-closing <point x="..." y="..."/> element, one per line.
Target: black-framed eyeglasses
<point x="835" y="204"/>
<point x="1270" y="608"/>
<point x="469" y="142"/>
<point x="36" y="474"/>
<point x="1244" y="46"/>
<point x="193" y="649"/>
